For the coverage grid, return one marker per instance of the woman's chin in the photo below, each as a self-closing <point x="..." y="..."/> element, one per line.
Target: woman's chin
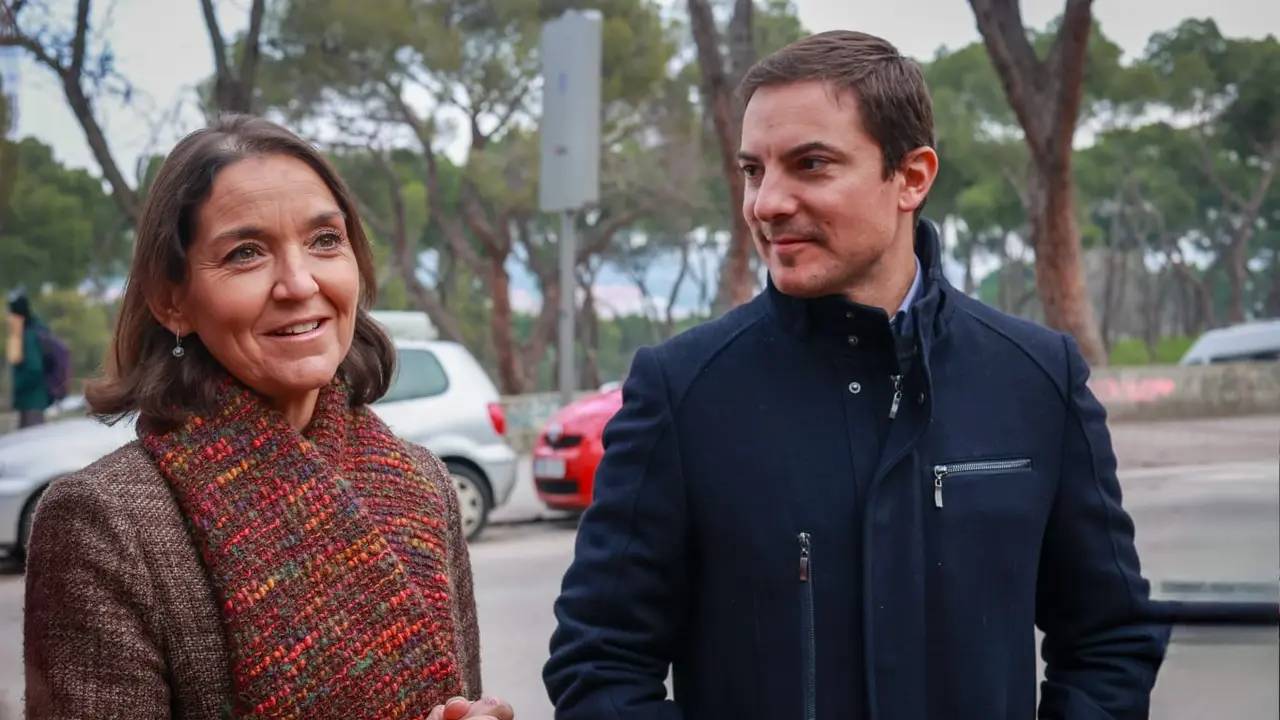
<point x="299" y="379"/>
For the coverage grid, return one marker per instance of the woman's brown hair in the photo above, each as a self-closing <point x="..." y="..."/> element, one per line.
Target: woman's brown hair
<point x="141" y="373"/>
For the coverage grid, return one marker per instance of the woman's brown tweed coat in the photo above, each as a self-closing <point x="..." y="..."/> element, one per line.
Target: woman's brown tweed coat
<point x="123" y="623"/>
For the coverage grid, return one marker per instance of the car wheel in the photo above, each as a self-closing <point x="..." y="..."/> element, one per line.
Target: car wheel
<point x="473" y="499"/>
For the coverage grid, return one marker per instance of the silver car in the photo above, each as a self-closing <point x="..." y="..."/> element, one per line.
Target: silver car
<point x="441" y="399"/>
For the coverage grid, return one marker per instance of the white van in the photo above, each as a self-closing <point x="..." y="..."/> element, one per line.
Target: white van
<point x="1248" y="342"/>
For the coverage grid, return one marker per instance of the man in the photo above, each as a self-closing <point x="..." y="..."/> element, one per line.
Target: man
<point x="856" y="496"/>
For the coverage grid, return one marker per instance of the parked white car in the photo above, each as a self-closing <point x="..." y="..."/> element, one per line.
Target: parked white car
<point x="441" y="399"/>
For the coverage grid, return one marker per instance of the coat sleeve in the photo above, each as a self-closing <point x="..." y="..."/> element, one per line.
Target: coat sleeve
<point x="90" y="652"/>
<point x="1101" y="659"/>
<point x="621" y="607"/>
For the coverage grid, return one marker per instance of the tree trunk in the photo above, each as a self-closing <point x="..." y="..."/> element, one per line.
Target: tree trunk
<point x="1237" y="273"/>
<point x="970" y="282"/>
<point x="1046" y="95"/>
<point x="1106" y="326"/>
<point x="735" y="286"/>
<point x="1272" y="307"/>
<point x="1152" y="316"/>
<point x="511" y="377"/>
<point x="1060" y="265"/>
<point x="589" y="338"/>
<point x="233" y="85"/>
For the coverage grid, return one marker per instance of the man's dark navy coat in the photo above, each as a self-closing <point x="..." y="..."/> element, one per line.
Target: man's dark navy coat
<point x="764" y="526"/>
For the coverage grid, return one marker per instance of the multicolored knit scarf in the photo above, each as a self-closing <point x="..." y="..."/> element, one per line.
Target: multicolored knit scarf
<point x="327" y="549"/>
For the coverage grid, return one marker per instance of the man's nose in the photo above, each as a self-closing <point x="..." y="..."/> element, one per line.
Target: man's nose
<point x="772" y="198"/>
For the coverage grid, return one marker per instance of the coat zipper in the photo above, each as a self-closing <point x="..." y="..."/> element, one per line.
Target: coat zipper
<point x="897" y="396"/>
<point x="809" y="658"/>
<point x="976" y="466"/>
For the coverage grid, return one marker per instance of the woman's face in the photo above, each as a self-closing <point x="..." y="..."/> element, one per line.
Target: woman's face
<point x="273" y="286"/>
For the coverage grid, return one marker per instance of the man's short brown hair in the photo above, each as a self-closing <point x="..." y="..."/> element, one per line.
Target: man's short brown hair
<point x="892" y="97"/>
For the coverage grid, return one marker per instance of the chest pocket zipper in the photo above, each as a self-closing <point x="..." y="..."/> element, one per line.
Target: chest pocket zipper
<point x="977" y="466"/>
<point x="808" y="654"/>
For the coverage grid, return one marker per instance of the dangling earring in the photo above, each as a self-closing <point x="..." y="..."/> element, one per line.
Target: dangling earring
<point x="177" y="349"/>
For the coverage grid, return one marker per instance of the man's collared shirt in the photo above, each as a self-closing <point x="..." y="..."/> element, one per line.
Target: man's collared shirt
<point x="899" y="317"/>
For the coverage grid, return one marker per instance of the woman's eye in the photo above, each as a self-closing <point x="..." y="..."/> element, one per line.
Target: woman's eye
<point x="328" y="241"/>
<point x="244" y="253"/>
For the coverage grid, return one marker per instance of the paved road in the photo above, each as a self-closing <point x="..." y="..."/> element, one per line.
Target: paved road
<point x="1212" y="515"/>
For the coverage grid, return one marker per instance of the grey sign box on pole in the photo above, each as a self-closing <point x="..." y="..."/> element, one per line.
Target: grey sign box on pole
<point x="572" y="46"/>
<point x="569" y="170"/>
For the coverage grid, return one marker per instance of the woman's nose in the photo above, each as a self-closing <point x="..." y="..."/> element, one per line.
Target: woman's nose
<point x="295" y="279"/>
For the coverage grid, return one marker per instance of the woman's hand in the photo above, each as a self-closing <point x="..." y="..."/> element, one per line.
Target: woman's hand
<point x="488" y="708"/>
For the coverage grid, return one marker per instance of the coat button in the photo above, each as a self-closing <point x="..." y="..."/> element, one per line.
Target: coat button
<point x="853" y="340"/>
<point x="920" y="398"/>
<point x="855" y="387"/>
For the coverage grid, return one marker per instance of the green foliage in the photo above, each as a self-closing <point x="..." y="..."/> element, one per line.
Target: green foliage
<point x="83" y="324"/>
<point x="60" y="226"/>
<point x="1132" y="351"/>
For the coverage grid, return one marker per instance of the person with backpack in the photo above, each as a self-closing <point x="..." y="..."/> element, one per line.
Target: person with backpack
<point x="31" y="394"/>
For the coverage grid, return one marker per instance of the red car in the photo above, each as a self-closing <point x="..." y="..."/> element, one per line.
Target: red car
<point x="569" y="449"/>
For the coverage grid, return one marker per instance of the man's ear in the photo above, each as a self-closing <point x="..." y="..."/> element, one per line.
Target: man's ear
<point x="919" y="169"/>
<point x="166" y="307"/>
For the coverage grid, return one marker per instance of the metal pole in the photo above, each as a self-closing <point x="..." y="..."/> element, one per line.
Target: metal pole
<point x="568" y="306"/>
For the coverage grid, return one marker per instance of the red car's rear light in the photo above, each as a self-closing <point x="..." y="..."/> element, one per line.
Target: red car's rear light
<point x="498" y="417"/>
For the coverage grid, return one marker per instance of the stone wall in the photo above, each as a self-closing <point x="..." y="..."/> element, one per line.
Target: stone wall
<point x="1166" y="392"/>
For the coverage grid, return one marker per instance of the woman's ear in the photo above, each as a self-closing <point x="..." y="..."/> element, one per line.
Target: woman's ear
<point x="166" y="307"/>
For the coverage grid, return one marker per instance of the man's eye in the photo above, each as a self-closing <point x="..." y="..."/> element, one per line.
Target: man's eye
<point x="750" y="170"/>
<point x="813" y="163"/>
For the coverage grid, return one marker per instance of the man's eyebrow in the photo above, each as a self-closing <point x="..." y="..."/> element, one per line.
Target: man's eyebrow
<point x="811" y="147"/>
<point x="797" y="151"/>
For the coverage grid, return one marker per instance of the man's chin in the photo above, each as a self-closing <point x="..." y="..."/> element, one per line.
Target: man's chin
<point x="795" y="282"/>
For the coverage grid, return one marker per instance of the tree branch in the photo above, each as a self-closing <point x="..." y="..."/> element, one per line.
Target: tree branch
<point x="217" y="42"/>
<point x="251" y="53"/>
<point x="1015" y="61"/>
<point x="81" y="40"/>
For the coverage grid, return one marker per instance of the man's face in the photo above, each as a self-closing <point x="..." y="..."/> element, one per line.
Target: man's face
<point x="822" y="213"/>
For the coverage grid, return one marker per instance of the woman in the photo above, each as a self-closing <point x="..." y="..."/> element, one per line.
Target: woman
<point x="22" y="350"/>
<point x="267" y="548"/>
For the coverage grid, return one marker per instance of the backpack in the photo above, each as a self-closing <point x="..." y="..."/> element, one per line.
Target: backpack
<point x="57" y="364"/>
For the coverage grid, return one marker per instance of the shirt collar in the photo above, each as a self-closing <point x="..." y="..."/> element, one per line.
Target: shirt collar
<point x="912" y="293"/>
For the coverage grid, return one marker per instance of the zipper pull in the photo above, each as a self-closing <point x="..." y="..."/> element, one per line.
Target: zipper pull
<point x="897" y="396"/>
<point x="939" y="471"/>
<point x="804" y="557"/>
